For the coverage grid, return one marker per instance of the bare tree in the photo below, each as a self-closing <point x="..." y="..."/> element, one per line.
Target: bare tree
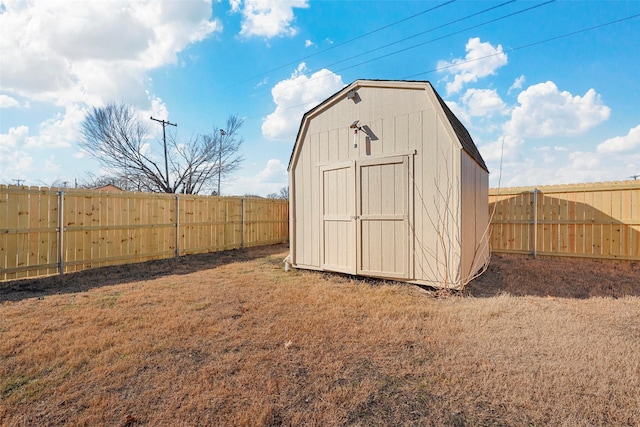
<point x="91" y="181"/>
<point x="282" y="194"/>
<point x="208" y="158"/>
<point x="117" y="138"/>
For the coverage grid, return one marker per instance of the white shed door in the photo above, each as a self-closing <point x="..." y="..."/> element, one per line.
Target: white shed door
<point x="338" y="218"/>
<point x="383" y="217"/>
<point x="365" y="217"/>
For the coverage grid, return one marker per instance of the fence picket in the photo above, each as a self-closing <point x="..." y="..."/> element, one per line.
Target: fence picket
<point x="106" y="228"/>
<point x="598" y="220"/>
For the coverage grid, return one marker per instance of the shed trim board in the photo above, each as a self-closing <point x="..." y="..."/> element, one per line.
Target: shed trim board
<point x="386" y="182"/>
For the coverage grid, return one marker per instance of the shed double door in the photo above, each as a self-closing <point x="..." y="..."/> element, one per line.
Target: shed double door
<point x="365" y="217"/>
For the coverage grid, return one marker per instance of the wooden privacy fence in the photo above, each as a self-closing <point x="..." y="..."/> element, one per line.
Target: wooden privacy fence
<point x="599" y="220"/>
<point x="46" y="231"/>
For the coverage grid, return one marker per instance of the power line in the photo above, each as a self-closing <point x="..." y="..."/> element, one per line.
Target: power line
<point x="491" y="21"/>
<point x="348" y="41"/>
<point x="410" y="37"/>
<point x="428" y="31"/>
<point x="525" y="46"/>
<point x="487" y="56"/>
<point x="428" y="41"/>
<point x="431" y="40"/>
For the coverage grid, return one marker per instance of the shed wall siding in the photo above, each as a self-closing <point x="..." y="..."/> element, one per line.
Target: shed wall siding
<point x="475" y="217"/>
<point x="407" y="122"/>
<point x="437" y="202"/>
<point x="395" y="120"/>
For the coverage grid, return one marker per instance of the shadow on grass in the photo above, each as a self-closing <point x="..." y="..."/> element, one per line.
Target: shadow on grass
<point x="516" y="275"/>
<point x="82" y="281"/>
<point x="558" y="277"/>
<point x="522" y="275"/>
<point x="564" y="226"/>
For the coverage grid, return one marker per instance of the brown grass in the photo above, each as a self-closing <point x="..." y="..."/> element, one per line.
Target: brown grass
<point x="230" y="339"/>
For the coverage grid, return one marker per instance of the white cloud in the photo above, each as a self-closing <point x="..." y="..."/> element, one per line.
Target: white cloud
<point x="16" y="137"/>
<point x="57" y="52"/>
<point x="8" y="102"/>
<point x="584" y="161"/>
<point x="235" y="5"/>
<point x="274" y="172"/>
<point x="483" y="102"/>
<point x="15" y="165"/>
<point x="543" y="148"/>
<point x="14" y="162"/>
<point x="584" y="167"/>
<point x="558" y="167"/>
<point x="17" y="145"/>
<point x="60" y="131"/>
<point x="517" y="84"/>
<point x="82" y="25"/>
<point x="545" y="111"/>
<point x="621" y="144"/>
<point x="270" y="179"/>
<point x="504" y="148"/>
<point x="158" y="109"/>
<point x="262" y="82"/>
<point x="293" y="97"/>
<point x="482" y="60"/>
<point x="51" y="165"/>
<point x="66" y="56"/>
<point x="82" y="154"/>
<point x="267" y="18"/>
<point x="548" y="158"/>
<point x="308" y="43"/>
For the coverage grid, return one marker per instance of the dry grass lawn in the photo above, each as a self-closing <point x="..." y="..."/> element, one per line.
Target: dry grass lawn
<point x="231" y="339"/>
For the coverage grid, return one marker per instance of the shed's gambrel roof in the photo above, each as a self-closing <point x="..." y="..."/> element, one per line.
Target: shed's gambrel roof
<point x="461" y="132"/>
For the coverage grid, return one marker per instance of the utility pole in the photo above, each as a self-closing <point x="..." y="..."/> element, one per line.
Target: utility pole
<point x="222" y="134"/>
<point x="164" y="140"/>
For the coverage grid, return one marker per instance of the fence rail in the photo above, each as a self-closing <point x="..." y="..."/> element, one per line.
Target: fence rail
<point x="599" y="220"/>
<point x="46" y="231"/>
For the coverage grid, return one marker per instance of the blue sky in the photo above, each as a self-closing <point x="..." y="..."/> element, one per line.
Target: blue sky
<point x="550" y="90"/>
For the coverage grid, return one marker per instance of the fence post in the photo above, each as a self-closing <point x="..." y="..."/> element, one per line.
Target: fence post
<point x="535" y="223"/>
<point x="177" y="254"/>
<point x="243" y="225"/>
<point x="61" y="232"/>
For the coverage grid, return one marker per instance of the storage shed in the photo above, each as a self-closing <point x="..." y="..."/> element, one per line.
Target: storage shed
<point x="386" y="182"/>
